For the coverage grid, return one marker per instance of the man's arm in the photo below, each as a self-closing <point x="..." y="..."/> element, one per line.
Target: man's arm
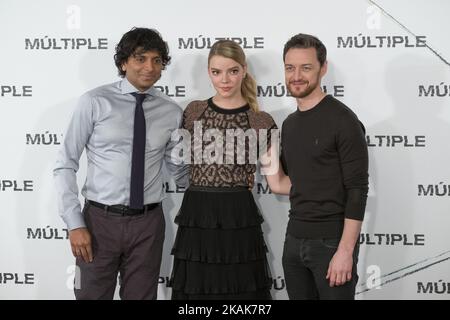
<point x="67" y="164"/>
<point x="352" y="148"/>
<point x="278" y="181"/>
<point x="340" y="268"/>
<point x="177" y="166"/>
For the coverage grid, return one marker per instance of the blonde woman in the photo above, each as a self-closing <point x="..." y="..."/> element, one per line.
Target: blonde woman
<point x="219" y="251"/>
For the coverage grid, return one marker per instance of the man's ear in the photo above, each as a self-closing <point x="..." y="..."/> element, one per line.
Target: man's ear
<point x="324" y="69"/>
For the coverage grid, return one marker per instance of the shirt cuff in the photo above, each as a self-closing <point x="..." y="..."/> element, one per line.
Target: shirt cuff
<point x="74" y="221"/>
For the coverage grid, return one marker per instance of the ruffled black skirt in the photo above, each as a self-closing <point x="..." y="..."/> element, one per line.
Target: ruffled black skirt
<point x="219" y="250"/>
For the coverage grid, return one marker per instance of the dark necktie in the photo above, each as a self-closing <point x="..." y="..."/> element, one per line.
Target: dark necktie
<point x="138" y="157"/>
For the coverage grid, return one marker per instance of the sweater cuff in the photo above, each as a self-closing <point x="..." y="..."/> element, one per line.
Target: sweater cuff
<point x="356" y="203"/>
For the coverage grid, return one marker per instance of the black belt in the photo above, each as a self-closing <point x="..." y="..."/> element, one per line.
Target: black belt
<point x="122" y="210"/>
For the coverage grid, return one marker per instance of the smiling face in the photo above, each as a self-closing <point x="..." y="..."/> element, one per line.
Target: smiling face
<point x="226" y="76"/>
<point x="143" y="69"/>
<point x="303" y="72"/>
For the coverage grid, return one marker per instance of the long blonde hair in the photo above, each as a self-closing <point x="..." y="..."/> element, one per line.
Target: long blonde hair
<point x="232" y="50"/>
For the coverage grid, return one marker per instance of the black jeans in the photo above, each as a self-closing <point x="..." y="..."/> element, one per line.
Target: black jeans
<point x="305" y="265"/>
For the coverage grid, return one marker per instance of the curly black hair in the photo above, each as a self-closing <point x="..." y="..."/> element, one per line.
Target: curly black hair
<point x="143" y="39"/>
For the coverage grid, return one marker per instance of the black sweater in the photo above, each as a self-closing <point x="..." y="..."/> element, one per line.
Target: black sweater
<point x="324" y="152"/>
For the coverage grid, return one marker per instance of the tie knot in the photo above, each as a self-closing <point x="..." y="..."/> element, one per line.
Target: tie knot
<point x="139" y="97"/>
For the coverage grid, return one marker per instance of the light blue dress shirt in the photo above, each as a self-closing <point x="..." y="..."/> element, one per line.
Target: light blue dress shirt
<point x="102" y="123"/>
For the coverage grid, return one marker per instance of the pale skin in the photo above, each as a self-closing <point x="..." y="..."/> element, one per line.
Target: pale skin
<point x="226" y="76"/>
<point x="279" y="182"/>
<point x="303" y="74"/>
<point x="142" y="70"/>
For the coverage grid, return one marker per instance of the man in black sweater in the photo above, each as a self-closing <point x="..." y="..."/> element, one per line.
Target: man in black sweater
<point x="324" y="154"/>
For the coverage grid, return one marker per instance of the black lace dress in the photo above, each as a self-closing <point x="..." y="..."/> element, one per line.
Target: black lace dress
<point x="219" y="250"/>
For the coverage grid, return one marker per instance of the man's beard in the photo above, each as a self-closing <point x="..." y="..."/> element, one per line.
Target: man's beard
<point x="307" y="91"/>
<point x="302" y="94"/>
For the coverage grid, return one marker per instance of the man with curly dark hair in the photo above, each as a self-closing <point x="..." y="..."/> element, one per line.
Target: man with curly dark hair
<point x="126" y="130"/>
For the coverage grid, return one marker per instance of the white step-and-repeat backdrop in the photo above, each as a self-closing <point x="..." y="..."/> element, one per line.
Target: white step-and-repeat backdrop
<point x="388" y="61"/>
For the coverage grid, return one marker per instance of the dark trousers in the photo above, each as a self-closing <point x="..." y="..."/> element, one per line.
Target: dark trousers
<point x="130" y="246"/>
<point x="305" y="265"/>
